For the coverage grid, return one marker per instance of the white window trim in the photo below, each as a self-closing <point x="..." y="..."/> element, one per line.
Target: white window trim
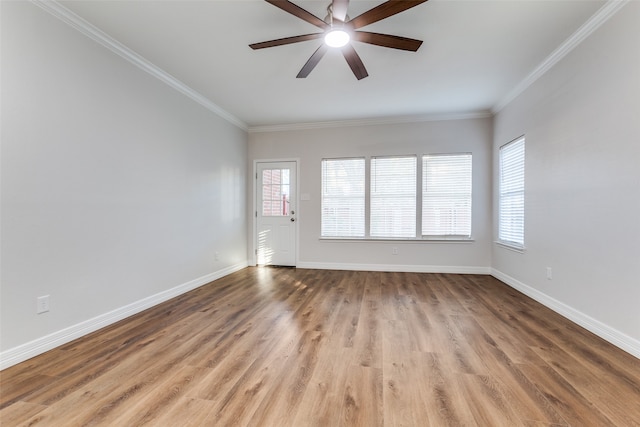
<point x="391" y="240"/>
<point x="512" y="246"/>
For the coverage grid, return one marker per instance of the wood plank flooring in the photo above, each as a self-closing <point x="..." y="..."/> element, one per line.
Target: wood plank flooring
<point x="293" y="347"/>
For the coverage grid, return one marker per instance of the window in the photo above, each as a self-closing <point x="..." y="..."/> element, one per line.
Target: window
<point x="397" y="197"/>
<point x="393" y="197"/>
<point x="343" y="197"/>
<point x="511" y="194"/>
<point x="446" y="195"/>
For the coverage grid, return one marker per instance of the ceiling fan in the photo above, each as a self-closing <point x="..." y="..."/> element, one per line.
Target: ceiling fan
<point x="339" y="30"/>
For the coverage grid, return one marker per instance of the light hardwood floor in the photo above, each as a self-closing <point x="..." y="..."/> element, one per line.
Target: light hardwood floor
<point x="293" y="347"/>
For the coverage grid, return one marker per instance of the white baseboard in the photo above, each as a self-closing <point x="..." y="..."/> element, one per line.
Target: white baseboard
<point x="453" y="269"/>
<point x="41" y="345"/>
<point x="606" y="332"/>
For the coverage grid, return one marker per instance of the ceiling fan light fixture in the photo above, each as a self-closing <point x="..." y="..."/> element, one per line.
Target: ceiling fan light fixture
<point x="337" y="31"/>
<point x="337" y="38"/>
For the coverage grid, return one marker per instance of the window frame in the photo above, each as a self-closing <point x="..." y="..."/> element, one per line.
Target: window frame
<point x="418" y="237"/>
<point x="520" y="191"/>
<point x="322" y="199"/>
<point x="468" y="195"/>
<point x="412" y="192"/>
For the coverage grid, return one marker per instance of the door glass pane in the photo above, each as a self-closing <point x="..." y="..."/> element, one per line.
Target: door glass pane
<point x="275" y="192"/>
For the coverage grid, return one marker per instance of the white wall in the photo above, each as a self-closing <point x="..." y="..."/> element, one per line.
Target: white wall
<point x="115" y="187"/>
<point x="582" y="126"/>
<point x="310" y="146"/>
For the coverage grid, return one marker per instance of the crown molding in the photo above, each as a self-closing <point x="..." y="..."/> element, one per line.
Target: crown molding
<point x="592" y="24"/>
<point x="97" y="35"/>
<point x="75" y="21"/>
<point x="371" y="122"/>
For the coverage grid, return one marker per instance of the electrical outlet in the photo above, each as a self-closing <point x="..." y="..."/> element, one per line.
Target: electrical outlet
<point x="217" y="256"/>
<point x="394" y="250"/>
<point x="42" y="304"/>
<point x="549" y="273"/>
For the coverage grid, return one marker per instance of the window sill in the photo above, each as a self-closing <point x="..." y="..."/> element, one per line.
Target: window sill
<point x="396" y="240"/>
<point x="510" y="246"/>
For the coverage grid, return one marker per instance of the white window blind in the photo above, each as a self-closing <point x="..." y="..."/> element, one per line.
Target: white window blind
<point x="446" y="195"/>
<point x="511" y="196"/>
<point x="393" y="197"/>
<point x="343" y="193"/>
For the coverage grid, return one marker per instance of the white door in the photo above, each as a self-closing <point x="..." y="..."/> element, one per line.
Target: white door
<point x="276" y="213"/>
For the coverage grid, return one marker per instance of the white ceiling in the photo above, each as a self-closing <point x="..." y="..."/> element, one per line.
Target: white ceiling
<point x="475" y="52"/>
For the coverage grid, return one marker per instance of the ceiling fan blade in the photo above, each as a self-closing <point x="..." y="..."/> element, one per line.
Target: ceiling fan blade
<point x="286" y="40"/>
<point x="354" y="62"/>
<point x="313" y="61"/>
<point x="339" y="8"/>
<point x="386" y="40"/>
<point x="385" y="10"/>
<point x="296" y="10"/>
